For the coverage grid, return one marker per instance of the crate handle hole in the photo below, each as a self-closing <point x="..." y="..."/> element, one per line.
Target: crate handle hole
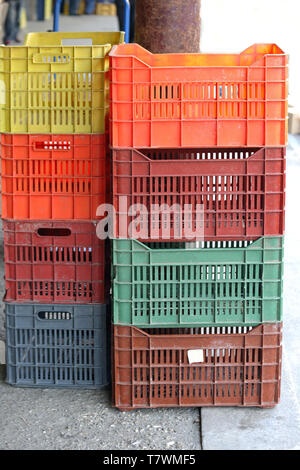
<point x="44" y="315"/>
<point x="54" y="232"/>
<point x="77" y="42"/>
<point x="62" y="145"/>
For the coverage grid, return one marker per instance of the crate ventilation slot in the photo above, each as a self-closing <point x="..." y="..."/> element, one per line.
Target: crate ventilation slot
<point x="54" y="315"/>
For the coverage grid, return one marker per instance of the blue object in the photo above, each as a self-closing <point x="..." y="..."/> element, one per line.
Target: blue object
<point x="89" y="7"/>
<point x="12" y="22"/>
<point x="127" y="20"/>
<point x="56" y="15"/>
<point x="40" y="10"/>
<point x="73" y="6"/>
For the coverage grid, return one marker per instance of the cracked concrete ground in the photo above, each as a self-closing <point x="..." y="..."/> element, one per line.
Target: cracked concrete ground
<point x="84" y="420"/>
<point x="67" y="419"/>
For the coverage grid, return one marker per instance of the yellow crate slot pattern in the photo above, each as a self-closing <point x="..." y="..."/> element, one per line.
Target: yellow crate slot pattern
<point x="55" y="88"/>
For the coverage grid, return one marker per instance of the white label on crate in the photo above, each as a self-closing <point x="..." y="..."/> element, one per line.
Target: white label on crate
<point x="195" y="355"/>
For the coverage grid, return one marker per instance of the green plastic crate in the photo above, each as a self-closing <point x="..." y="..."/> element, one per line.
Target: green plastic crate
<point x="221" y="283"/>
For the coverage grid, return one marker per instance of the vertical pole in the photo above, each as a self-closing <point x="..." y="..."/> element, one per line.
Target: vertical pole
<point x="127" y="20"/>
<point x="163" y="26"/>
<point x="56" y="15"/>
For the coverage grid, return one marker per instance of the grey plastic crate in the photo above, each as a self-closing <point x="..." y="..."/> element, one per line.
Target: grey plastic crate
<point x="57" y="345"/>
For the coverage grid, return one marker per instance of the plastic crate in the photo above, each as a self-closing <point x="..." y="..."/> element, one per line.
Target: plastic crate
<point x="57" y="345"/>
<point x="80" y="10"/>
<point x="198" y="100"/>
<point x="53" y="262"/>
<point x="106" y="9"/>
<point x="50" y="85"/>
<point x="220" y="283"/>
<point x="240" y="191"/>
<point x="52" y="176"/>
<point x="197" y="367"/>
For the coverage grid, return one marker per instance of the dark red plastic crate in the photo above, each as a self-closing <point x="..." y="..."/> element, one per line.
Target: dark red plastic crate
<point x="53" y="262"/>
<point x="231" y="366"/>
<point x="242" y="192"/>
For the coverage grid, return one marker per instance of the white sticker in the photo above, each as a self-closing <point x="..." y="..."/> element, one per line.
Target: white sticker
<point x="195" y="355"/>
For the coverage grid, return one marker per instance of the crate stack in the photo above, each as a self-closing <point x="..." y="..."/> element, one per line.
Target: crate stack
<point x="198" y="322"/>
<point x="106" y="8"/>
<point x="54" y="126"/>
<point x="102" y="7"/>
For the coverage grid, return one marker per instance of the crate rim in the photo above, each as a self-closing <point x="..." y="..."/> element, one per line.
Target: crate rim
<point x="114" y="53"/>
<point x="141" y="330"/>
<point x="69" y="35"/>
<point x="146" y="248"/>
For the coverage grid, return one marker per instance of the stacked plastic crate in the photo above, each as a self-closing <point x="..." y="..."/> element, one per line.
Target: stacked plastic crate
<point x="198" y="322"/>
<point x="53" y="160"/>
<point x="102" y="7"/>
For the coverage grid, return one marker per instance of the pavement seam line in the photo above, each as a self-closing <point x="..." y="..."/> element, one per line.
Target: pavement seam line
<point x="291" y="380"/>
<point x="200" y="429"/>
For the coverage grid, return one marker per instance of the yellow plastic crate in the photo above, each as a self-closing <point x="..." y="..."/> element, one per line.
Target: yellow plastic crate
<point x="66" y="7"/>
<point x="51" y="87"/>
<point x="48" y="9"/>
<point x="106" y="9"/>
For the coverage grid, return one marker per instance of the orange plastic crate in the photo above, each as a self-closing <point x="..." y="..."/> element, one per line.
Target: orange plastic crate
<point x="198" y="100"/>
<point x="52" y="177"/>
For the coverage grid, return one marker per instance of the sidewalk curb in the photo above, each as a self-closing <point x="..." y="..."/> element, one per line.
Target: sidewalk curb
<point x="2" y="352"/>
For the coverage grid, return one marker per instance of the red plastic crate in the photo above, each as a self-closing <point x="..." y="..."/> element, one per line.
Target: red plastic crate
<point x="198" y="100"/>
<point x="52" y="177"/>
<point x="197" y="367"/>
<point x="242" y="192"/>
<point x="53" y="262"/>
